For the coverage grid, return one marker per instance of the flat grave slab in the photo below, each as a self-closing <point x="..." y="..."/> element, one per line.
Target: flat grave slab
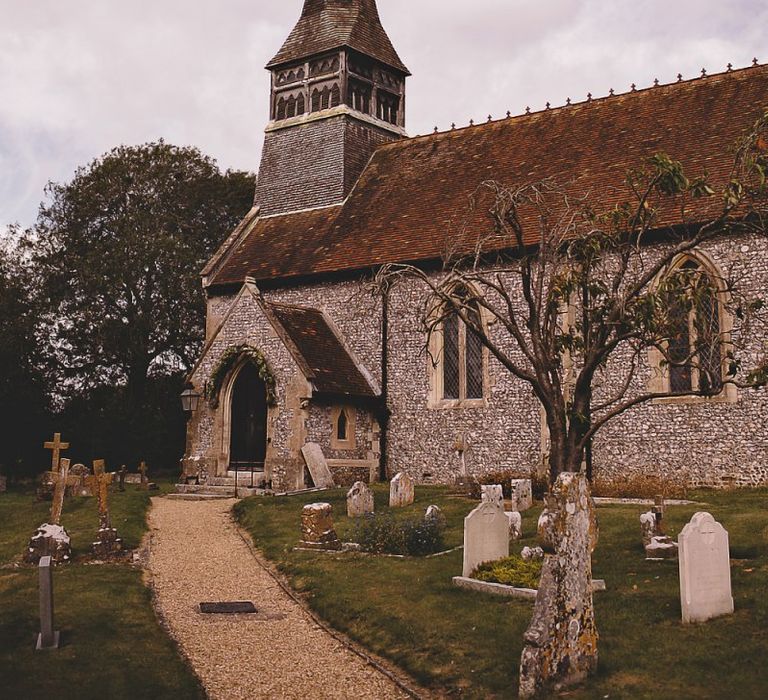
<point x="234" y="608"/>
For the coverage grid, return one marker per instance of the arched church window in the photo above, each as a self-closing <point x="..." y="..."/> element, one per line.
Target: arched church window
<point x="342" y="424"/>
<point x="290" y="107"/>
<point x="300" y="105"/>
<point x="461" y="363"/>
<point x="325" y="97"/>
<point x="335" y="96"/>
<point x="343" y="428"/>
<point x="695" y="344"/>
<point x="360" y="96"/>
<point x="315" y="100"/>
<point x="280" y="113"/>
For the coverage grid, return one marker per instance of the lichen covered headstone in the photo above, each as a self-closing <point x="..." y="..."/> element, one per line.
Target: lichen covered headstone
<point x="515" y="525"/>
<point x="107" y="544"/>
<point x="521" y="494"/>
<point x="317" y="531"/>
<point x="560" y="645"/>
<point x="401" y="491"/>
<point x="493" y="493"/>
<point x="359" y="500"/>
<point x="655" y="540"/>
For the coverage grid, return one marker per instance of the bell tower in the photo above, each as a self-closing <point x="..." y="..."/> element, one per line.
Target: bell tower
<point x="338" y="92"/>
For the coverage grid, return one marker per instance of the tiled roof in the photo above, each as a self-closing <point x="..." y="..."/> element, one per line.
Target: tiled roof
<point x="331" y="24"/>
<point x="334" y="370"/>
<point x="414" y="196"/>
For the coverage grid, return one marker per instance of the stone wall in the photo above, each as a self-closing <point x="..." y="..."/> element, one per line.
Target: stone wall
<point x="701" y="442"/>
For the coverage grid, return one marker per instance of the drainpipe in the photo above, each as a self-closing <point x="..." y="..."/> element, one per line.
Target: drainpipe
<point x="384" y="411"/>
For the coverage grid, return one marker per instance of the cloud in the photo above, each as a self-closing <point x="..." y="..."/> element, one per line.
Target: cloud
<point x="79" y="77"/>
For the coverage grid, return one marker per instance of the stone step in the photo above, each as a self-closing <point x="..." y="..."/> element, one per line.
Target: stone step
<point x="196" y="497"/>
<point x="216" y="491"/>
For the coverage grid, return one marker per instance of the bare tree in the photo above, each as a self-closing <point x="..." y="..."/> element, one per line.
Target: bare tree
<point x="563" y="290"/>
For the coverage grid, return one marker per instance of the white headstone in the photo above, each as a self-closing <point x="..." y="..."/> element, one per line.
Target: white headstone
<point x="493" y="493"/>
<point x="486" y="536"/>
<point x="401" y="491"/>
<point x="705" y="570"/>
<point x="318" y="467"/>
<point x="515" y="525"/>
<point x="359" y="500"/>
<point x="522" y="495"/>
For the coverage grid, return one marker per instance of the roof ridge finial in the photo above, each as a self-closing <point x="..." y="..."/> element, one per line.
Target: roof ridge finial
<point x="490" y="118"/>
<point x="568" y="101"/>
<point x="453" y="126"/>
<point x="589" y="97"/>
<point x="655" y="82"/>
<point x="548" y="105"/>
<point x="436" y="129"/>
<point x="528" y="109"/>
<point x="509" y="114"/>
<point x="730" y="67"/>
<point x="611" y="92"/>
<point x="634" y="87"/>
<point x="703" y="72"/>
<point x="679" y="77"/>
<point x="755" y="62"/>
<point x="471" y="122"/>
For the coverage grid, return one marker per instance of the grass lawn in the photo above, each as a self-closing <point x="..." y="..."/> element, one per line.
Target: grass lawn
<point x="407" y="610"/>
<point x="112" y="644"/>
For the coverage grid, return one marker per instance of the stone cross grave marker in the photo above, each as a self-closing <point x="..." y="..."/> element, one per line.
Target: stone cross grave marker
<point x="48" y="638"/>
<point x="59" y="492"/>
<point x="493" y="493"/>
<point x="108" y="543"/>
<point x="57" y="447"/>
<point x="318" y="467"/>
<point x="359" y="500"/>
<point x="143" y="470"/>
<point x="99" y="467"/>
<point x="104" y="480"/>
<point x="522" y="495"/>
<point x="560" y="644"/>
<point x="486" y="536"/>
<point x="705" y="570"/>
<point x="401" y="491"/>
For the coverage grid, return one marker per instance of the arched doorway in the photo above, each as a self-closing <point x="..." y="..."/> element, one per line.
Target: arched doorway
<point x="248" y="441"/>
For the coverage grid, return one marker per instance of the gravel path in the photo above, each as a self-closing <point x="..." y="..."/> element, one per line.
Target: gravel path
<point x="198" y="556"/>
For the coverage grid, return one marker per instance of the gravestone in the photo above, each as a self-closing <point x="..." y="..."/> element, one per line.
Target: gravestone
<point x="146" y="484"/>
<point x="57" y="447"/>
<point x="515" y="525"/>
<point x="318" y="467"/>
<point x="401" y="491"/>
<point x="79" y="479"/>
<point x="51" y="539"/>
<point x="436" y="515"/>
<point x="48" y="637"/>
<point x="493" y="493"/>
<point x="486" y="536"/>
<point x="359" y="500"/>
<point x="317" y="530"/>
<point x="655" y="541"/>
<point x="705" y="570"/>
<point x="107" y="544"/>
<point x="122" y="473"/>
<point x="560" y="645"/>
<point x="522" y="495"/>
<point x="3" y="484"/>
<point x="532" y="554"/>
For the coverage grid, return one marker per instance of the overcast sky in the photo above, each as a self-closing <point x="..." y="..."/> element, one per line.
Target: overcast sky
<point x="78" y="77"/>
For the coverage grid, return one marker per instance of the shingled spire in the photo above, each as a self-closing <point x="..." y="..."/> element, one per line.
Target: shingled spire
<point x="338" y="92"/>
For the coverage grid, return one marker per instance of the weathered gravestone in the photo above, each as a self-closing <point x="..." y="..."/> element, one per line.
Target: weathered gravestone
<point x="486" y="536"/>
<point x="515" y="525"/>
<point x="493" y="493"/>
<point x="146" y="484"/>
<point x="522" y="495"/>
<point x="122" y="474"/>
<point x="401" y="491"/>
<point x="705" y="570"/>
<point x="359" y="500"/>
<point x="560" y="645"/>
<point x="51" y="539"/>
<point x="107" y="544"/>
<point x="57" y="447"/>
<point x="48" y="637"/>
<point x="318" y="467"/>
<point x="655" y="541"/>
<point x="317" y="530"/>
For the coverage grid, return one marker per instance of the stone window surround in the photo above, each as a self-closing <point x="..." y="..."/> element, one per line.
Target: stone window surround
<point x="350" y="443"/>
<point x="435" y="358"/>
<point x="659" y="380"/>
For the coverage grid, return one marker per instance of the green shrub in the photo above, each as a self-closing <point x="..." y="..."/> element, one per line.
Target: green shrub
<point x="383" y="534"/>
<point x="512" y="571"/>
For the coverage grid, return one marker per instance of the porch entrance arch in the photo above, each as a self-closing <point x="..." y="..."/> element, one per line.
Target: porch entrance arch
<point x="248" y="436"/>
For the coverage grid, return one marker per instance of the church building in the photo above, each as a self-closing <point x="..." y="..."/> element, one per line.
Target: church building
<point x="299" y="351"/>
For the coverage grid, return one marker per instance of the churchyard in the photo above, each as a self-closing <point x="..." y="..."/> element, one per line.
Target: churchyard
<point x="112" y="643"/>
<point x="450" y="640"/>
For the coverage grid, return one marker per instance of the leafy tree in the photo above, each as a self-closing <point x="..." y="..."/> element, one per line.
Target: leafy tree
<point x="24" y="414"/>
<point x="575" y="296"/>
<point x="119" y="250"/>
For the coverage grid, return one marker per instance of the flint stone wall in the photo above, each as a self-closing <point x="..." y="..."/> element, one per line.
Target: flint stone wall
<point x="699" y="443"/>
